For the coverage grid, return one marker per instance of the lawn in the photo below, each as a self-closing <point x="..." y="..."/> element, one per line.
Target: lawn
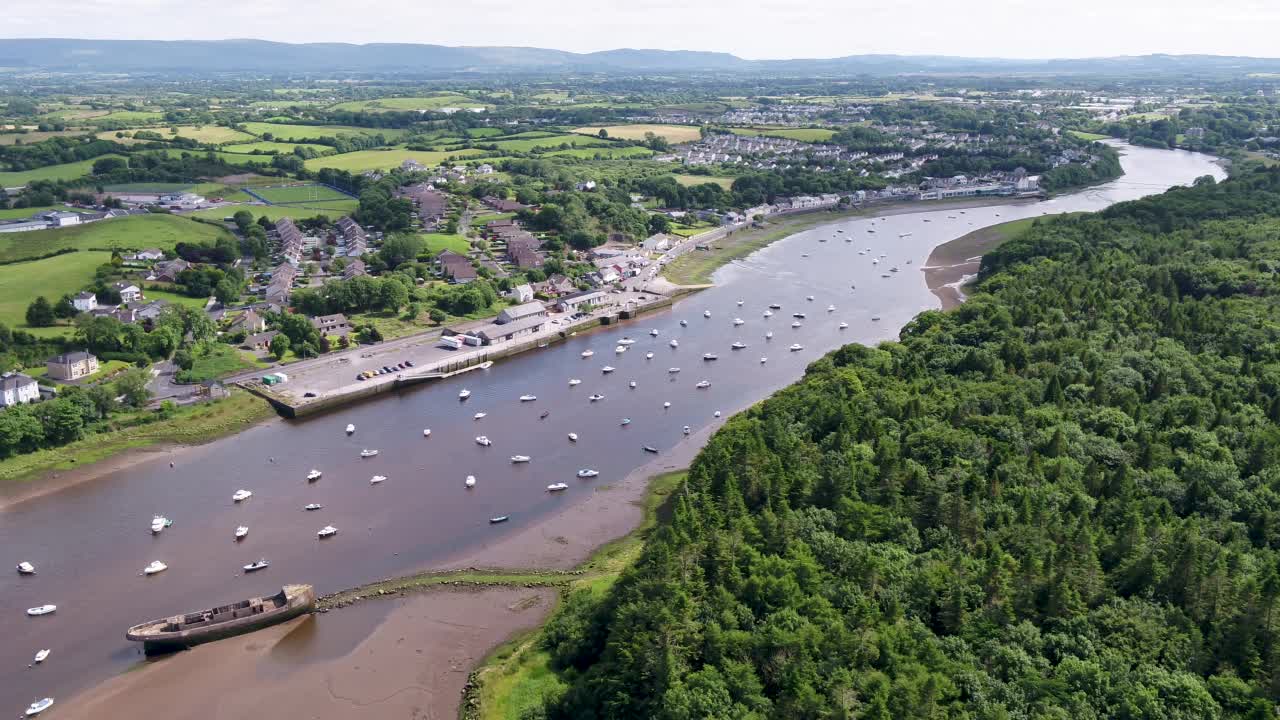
<point x="309" y="194"/>
<point x="303" y="133"/>
<point x="801" y="134"/>
<point x="20" y="283"/>
<point x="364" y="160"/>
<point x="271" y="147"/>
<point x="406" y="104"/>
<point x="672" y="133"/>
<point x="441" y="241"/>
<point x="127" y="117"/>
<point x="333" y="209"/>
<point x="66" y="171"/>
<point x="1087" y="136"/>
<point x="174" y="298"/>
<point x="133" y="232"/>
<point x="222" y="360"/>
<point x="724" y="182"/>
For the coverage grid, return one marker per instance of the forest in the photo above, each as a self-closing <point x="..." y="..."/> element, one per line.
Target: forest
<point x="1060" y="500"/>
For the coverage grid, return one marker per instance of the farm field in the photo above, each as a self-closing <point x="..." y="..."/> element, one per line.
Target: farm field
<point x="133" y="232"/>
<point x="211" y="134"/>
<point x="35" y="136"/>
<point x="629" y="151"/>
<point x="302" y="133"/>
<point x="66" y="171"/>
<point x="272" y="147"/>
<point x="484" y="132"/>
<point x="801" y="134"/>
<point x="20" y="283"/>
<point x="174" y="298"/>
<point x="309" y="194"/>
<point x="441" y="241"/>
<point x="548" y="143"/>
<point x="127" y="117"/>
<point x="672" y="133"/>
<point x="334" y="209"/>
<point x="724" y="182"/>
<point x="386" y="159"/>
<point x="229" y="158"/>
<point x="1088" y="136"/>
<point x="402" y="104"/>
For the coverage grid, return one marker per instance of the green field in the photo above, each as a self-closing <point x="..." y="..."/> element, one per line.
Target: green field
<point x="441" y="241"/>
<point x="548" y="143"/>
<point x="364" y="160"/>
<point x="174" y="298"/>
<point x="628" y="151"/>
<point x="1087" y="136"/>
<point x="315" y="195"/>
<point x="272" y="147"/>
<point x="334" y="209"/>
<point x="673" y="133"/>
<point x="302" y="133"/>
<point x="130" y="117"/>
<point x="66" y="171"/>
<point x="801" y="134"/>
<point x="21" y="213"/>
<point x="484" y="132"/>
<point x="20" y="283"/>
<point x="724" y="182"/>
<point x="211" y="134"/>
<point x="35" y="136"/>
<point x="433" y="102"/>
<point x="148" y="187"/>
<point x="133" y="232"/>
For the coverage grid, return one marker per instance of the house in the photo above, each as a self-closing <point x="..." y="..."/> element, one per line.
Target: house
<point x="128" y="292"/>
<point x="331" y="324"/>
<point x="290" y="238"/>
<point x="355" y="268"/>
<point x="521" y="312"/>
<point x="168" y="271"/>
<point x="23" y="226"/>
<point x="147" y="255"/>
<point x="521" y="293"/>
<point x="61" y="219"/>
<point x="250" y="322"/>
<point x="260" y="341"/>
<point x="16" y="388"/>
<point x="526" y="259"/>
<point x="490" y="334"/>
<point x="573" y="301"/>
<point x="503" y="205"/>
<point x="456" y="267"/>
<point x="555" y="286"/>
<point x="72" y="366"/>
<point x="85" y="302"/>
<point x="281" y="284"/>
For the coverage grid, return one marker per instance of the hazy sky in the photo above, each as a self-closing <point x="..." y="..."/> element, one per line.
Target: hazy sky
<point x="748" y="28"/>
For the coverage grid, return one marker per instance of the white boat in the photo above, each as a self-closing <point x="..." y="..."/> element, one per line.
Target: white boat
<point x="620" y="349"/>
<point x="367" y="453"/>
<point x="256" y="566"/>
<point x="768" y="313"/>
<point x="155" y="567"/>
<point x="241" y="532"/>
<point x="739" y="321"/>
<point x="376" y="479"/>
<point x="905" y="234"/>
<point x="41" y="657"/>
<point x="673" y="370"/>
<point x="159" y="523"/>
<point x="626" y="341"/>
<point x="763" y="360"/>
<point x="327" y="531"/>
<point x="520" y="458"/>
<point x="426" y="432"/>
<point x="573" y="437"/>
<point x="41" y="610"/>
<point x="478" y="415"/>
<point x="798" y="316"/>
<point x="243" y="494"/>
<point x="626" y="421"/>
<point x="574" y="381"/>
<point x="470" y="481"/>
<point x="843" y="326"/>
<point x="588" y="353"/>
<point x="588" y="473"/>
<point x="595" y="396"/>
<point x="350" y="428"/>
<point x="26" y="568"/>
<point x="893" y="269"/>
<point x="314" y="475"/>
<point x="653" y="332"/>
<point x="809" y="298"/>
<point x="39" y="706"/>
<point x="738" y="345"/>
<point x="768" y="335"/>
<point x="464" y="394"/>
<point x="710" y="356"/>
<point x="686" y="430"/>
<point x="674" y="343"/>
<point x="648" y="356"/>
<point x="607" y="369"/>
<point x="796" y="347"/>
<point x="528" y="398"/>
<point x="716" y="413"/>
<point x="706" y="313"/>
<point x="666" y="405"/>
<point x="703" y="384"/>
<point x="831" y="308"/>
<point x="739" y="303"/>
<point x="684" y="323"/>
<point x="796" y="324"/>
<point x="312" y="507"/>
<point x="557" y="487"/>
<point x="483" y="440"/>
<point x="632" y="384"/>
<point x="775" y="306"/>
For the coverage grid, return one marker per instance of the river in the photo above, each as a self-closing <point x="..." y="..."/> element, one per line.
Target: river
<point x="90" y="541"/>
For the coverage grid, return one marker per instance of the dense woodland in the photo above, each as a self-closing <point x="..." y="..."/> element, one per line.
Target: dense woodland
<point x="1061" y="500"/>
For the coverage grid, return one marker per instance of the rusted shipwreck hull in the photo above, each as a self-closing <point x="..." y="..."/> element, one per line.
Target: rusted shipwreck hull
<point x="183" y="631"/>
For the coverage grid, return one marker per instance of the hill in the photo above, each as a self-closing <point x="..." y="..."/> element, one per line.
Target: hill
<point x="127" y="233"/>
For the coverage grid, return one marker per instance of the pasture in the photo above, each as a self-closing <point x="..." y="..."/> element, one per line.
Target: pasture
<point x="127" y="117"/>
<point x="209" y="134"/>
<point x="309" y="194"/>
<point x="1086" y="136"/>
<point x="552" y="142"/>
<point x="801" y="134"/>
<point x="228" y="158"/>
<point x="127" y="233"/>
<point x="724" y="182"/>
<point x="441" y="241"/>
<point x="333" y="210"/>
<point x="302" y="133"/>
<point x="20" y="283"/>
<point x="272" y="148"/>
<point x="672" y="133"/>
<point x="611" y="153"/>
<point x="66" y="171"/>
<point x="35" y="136"/>
<point x="147" y="187"/>
<point x="363" y="160"/>
<point x="410" y="104"/>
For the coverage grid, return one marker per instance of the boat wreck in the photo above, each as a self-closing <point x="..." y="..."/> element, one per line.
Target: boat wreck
<point x="183" y="631"/>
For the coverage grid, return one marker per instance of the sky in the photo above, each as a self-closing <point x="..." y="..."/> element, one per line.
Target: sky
<point x="752" y="29"/>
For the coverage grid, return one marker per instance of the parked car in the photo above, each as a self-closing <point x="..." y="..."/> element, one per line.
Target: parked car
<point x="409" y="363"/>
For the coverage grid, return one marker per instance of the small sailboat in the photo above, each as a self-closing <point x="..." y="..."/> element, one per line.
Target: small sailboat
<point x="716" y="413"/>
<point x="464" y="394"/>
<point x="620" y="349"/>
<point x="588" y="473"/>
<point x="796" y="324"/>
<point x="607" y="369"/>
<point x="544" y="415"/>
<point x="738" y="345"/>
<point x="831" y="308"/>
<point x="684" y="323"/>
<point x="159" y="523"/>
<point x="312" y="507"/>
<point x="470" y="481"/>
<point x="686" y="430"/>
<point x="350" y="428"/>
<point x="666" y="405"/>
<point x="520" y="458"/>
<point x="648" y="356"/>
<point x="763" y="360"/>
<point x="41" y="657"/>
<point x="155" y="567"/>
<point x="39" y="706"/>
<point x="241" y="532"/>
<point x="632" y="384"/>
<point x="706" y="313"/>
<point x="626" y="421"/>
<point x="768" y="313"/>
<point x="768" y="335"/>
<point x="573" y="437"/>
<point x="528" y="398"/>
<point x="796" y="347"/>
<point x="498" y="519"/>
<point x="703" y="384"/>
<point x="739" y="303"/>
<point x="242" y="494"/>
<point x="595" y="396"/>
<point x="673" y="370"/>
<point x="327" y="531"/>
<point x="710" y="356"/>
<point x="557" y="487"/>
<point x="426" y="432"/>
<point x="674" y="343"/>
<point x="256" y="566"/>
<point x="478" y="416"/>
<point x="483" y="440"/>
<point x="41" y="610"/>
<point x="377" y="479"/>
<point x="650" y="449"/>
<point x="653" y="332"/>
<point x="367" y="453"/>
<point x="574" y="381"/>
<point x="588" y="353"/>
<point x="26" y="568"/>
<point x="738" y="321"/>
<point x="314" y="475"/>
<point x="843" y="326"/>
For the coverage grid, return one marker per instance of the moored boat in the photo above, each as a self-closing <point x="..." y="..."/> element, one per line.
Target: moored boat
<point x="155" y="567"/>
<point x="327" y="531"/>
<point x="41" y="656"/>
<point x="367" y="453"/>
<point x="241" y="532"/>
<point x="588" y="473"/>
<point x="483" y="440"/>
<point x="674" y="343"/>
<point x="39" y="706"/>
<point x="426" y="432"/>
<point x="686" y="430"/>
<point x="574" y="381"/>
<point x="573" y="437"/>
<point x="312" y="507"/>
<point x="588" y="353"/>
<point x="464" y="394"/>
<point x="625" y="421"/>
<point x="650" y="449"/>
<point x="528" y="398"/>
<point x="499" y="519"/>
<point x="595" y="397"/>
<point x="350" y="428"/>
<point x="557" y="487"/>
<point x="256" y="566"/>
<point x="739" y="345"/>
<point x="607" y="369"/>
<point x="224" y="621"/>
<point x="520" y="458"/>
<point x="26" y="568"/>
<point x="377" y="479"/>
<point x="479" y="415"/>
<point x="41" y="610"/>
<point x="703" y="384"/>
<point x="470" y="481"/>
<point x="314" y="475"/>
<point x="796" y="347"/>
<point x="242" y="494"/>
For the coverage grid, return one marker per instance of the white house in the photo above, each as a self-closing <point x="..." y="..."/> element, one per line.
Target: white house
<point x="657" y="243"/>
<point x="85" y="302"/>
<point x="16" y="388"/>
<point x="128" y="292"/>
<point x="521" y="293"/>
<point x="521" y="312"/>
<point x="62" y="219"/>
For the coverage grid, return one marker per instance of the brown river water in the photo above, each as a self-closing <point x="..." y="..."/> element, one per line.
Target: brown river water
<point x="90" y="542"/>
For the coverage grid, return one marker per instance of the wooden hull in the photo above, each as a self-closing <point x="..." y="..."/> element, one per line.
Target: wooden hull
<point x="184" y="631"/>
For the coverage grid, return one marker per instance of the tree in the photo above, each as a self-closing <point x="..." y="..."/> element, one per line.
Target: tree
<point x="227" y="291"/>
<point x="437" y="316"/>
<point x="399" y="249"/>
<point x="40" y="313"/>
<point x="604" y="134"/>
<point x="279" y="346"/>
<point x="108" y="165"/>
<point x="132" y="384"/>
<point x="393" y="294"/>
<point x="184" y="360"/>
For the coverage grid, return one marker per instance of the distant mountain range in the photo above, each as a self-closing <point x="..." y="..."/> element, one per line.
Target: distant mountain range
<point x="184" y="56"/>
